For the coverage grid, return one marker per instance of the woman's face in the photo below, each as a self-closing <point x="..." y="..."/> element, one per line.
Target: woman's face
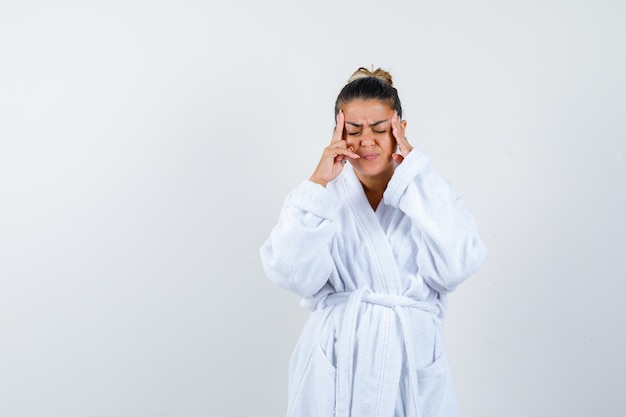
<point x="368" y="132"/>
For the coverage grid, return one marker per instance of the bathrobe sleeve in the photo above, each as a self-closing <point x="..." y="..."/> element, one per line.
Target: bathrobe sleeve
<point x="449" y="248"/>
<point x="297" y="255"/>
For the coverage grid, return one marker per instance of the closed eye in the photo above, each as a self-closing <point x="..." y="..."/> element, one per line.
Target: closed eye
<point x="354" y="133"/>
<point x="379" y="131"/>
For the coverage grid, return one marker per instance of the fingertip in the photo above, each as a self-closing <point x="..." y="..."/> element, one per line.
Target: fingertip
<point x="340" y="118"/>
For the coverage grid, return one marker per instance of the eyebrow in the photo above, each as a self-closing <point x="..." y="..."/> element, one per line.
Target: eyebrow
<point x="361" y="124"/>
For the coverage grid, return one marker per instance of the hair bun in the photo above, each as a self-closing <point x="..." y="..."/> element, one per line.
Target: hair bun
<point x="379" y="73"/>
<point x="371" y="84"/>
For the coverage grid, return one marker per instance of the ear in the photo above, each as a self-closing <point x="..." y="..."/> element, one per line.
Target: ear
<point x="397" y="158"/>
<point x="403" y="123"/>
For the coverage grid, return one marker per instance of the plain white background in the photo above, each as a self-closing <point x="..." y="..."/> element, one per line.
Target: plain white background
<point x="146" y="148"/>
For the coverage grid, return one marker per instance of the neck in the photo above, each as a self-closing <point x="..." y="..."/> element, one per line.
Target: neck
<point x="376" y="183"/>
<point x="375" y="186"/>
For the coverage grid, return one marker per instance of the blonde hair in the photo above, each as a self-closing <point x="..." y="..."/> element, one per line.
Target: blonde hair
<point x="379" y="73"/>
<point x="374" y="84"/>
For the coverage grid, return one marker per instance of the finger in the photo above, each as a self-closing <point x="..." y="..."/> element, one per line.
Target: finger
<point x="404" y="146"/>
<point x="341" y="147"/>
<point x="338" y="133"/>
<point x="346" y="153"/>
<point x="396" y="127"/>
<point x="399" y="132"/>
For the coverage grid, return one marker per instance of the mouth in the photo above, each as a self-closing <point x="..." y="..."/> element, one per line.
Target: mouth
<point x="369" y="156"/>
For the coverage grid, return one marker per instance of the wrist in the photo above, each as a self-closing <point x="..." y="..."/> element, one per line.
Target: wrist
<point x="318" y="181"/>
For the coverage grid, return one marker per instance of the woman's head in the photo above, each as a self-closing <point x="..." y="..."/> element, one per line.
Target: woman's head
<point x="369" y="85"/>
<point x="369" y="103"/>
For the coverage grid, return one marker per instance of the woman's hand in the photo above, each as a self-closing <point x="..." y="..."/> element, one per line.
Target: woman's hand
<point x="334" y="156"/>
<point x="398" y="127"/>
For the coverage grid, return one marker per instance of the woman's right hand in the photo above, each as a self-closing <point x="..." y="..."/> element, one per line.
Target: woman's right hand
<point x="334" y="156"/>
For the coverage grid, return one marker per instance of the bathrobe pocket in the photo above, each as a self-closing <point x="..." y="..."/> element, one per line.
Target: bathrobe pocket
<point x="433" y="384"/>
<point x="315" y="394"/>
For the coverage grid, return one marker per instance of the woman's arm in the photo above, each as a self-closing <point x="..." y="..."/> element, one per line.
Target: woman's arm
<point x="297" y="254"/>
<point x="449" y="247"/>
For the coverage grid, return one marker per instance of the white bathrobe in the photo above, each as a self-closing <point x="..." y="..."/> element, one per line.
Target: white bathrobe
<point x="376" y="283"/>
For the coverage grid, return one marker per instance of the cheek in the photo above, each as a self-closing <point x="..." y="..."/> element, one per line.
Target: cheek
<point x="390" y="143"/>
<point x="351" y="141"/>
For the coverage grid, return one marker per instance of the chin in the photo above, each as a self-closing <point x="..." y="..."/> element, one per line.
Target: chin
<point x="373" y="171"/>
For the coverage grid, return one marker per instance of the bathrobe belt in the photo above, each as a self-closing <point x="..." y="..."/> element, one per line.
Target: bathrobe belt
<point x="346" y="341"/>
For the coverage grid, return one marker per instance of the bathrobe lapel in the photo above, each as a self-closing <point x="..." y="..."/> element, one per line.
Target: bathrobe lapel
<point x="384" y="268"/>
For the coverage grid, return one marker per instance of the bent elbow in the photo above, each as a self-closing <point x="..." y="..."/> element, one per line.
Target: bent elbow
<point x="451" y="272"/>
<point x="293" y="276"/>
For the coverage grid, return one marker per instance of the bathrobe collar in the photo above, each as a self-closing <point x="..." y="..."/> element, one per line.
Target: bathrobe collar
<point x="385" y="272"/>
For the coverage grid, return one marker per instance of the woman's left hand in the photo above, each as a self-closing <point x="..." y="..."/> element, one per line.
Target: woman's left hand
<point x="398" y="127"/>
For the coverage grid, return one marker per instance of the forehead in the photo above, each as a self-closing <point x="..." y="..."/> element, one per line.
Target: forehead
<point x="366" y="111"/>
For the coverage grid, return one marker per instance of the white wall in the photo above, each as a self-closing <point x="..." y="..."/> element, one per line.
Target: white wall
<point x="146" y="148"/>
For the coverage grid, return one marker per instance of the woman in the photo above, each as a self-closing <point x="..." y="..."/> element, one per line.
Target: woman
<point x="373" y="247"/>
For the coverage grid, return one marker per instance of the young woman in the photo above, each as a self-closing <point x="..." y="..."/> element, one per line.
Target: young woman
<point x="373" y="247"/>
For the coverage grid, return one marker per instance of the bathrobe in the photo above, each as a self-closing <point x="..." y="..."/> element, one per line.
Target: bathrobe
<point x="376" y="283"/>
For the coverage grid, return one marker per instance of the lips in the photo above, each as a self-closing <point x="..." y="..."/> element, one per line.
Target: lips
<point x="369" y="156"/>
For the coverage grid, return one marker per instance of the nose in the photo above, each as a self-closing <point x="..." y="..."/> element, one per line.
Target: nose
<point x="367" y="138"/>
